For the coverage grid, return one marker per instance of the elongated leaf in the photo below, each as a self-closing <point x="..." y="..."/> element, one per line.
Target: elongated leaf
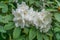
<point x="39" y="36"/>
<point x="21" y="38"/>
<point x="8" y="17"/>
<point x="57" y="24"/>
<point x="56" y="29"/>
<point x="2" y="29"/>
<point x="9" y="26"/>
<point x="32" y="34"/>
<point x="3" y="36"/>
<point x="57" y="16"/>
<point x="27" y="38"/>
<point x="37" y="3"/>
<point x="45" y="37"/>
<point x="31" y="2"/>
<point x="26" y="0"/>
<point x="26" y="30"/>
<point x="58" y="36"/>
<point x="16" y="32"/>
<point x="4" y="7"/>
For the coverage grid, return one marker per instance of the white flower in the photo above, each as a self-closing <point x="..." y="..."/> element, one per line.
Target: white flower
<point x="19" y="14"/>
<point x="24" y="16"/>
<point x="45" y="18"/>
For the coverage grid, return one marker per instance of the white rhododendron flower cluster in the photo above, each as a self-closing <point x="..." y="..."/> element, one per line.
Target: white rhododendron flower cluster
<point x="24" y="16"/>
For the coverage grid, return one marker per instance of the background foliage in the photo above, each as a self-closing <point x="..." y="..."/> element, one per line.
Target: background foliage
<point x="8" y="31"/>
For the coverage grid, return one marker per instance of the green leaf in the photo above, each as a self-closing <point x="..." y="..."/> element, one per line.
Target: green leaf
<point x="57" y="24"/>
<point x="16" y="32"/>
<point x="3" y="36"/>
<point x="9" y="26"/>
<point x="45" y="37"/>
<point x="58" y="3"/>
<point x="49" y="2"/>
<point x="27" y="38"/>
<point x="26" y="30"/>
<point x="4" y="7"/>
<point x="2" y="19"/>
<point x="11" y="5"/>
<point x="10" y="0"/>
<point x="31" y="2"/>
<point x="21" y="38"/>
<point x="39" y="36"/>
<point x="51" y="10"/>
<point x="32" y="33"/>
<point x="57" y="16"/>
<point x="26" y="0"/>
<point x="56" y="29"/>
<point x="58" y="36"/>
<point x="8" y="17"/>
<point x="50" y="33"/>
<point x="37" y="3"/>
<point x="20" y="1"/>
<point x="2" y="29"/>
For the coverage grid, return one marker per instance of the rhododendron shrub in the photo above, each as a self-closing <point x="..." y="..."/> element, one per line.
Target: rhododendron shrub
<point x="29" y="20"/>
